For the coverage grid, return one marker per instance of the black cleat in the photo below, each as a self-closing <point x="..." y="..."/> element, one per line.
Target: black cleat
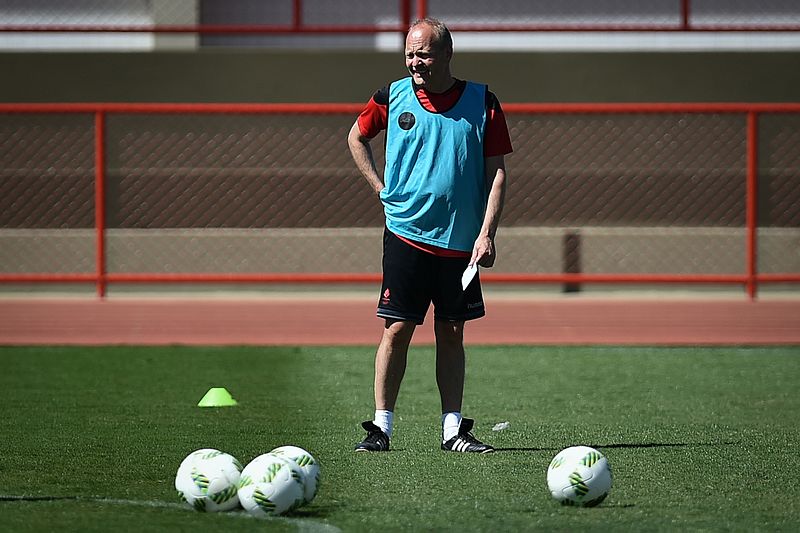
<point x="376" y="440"/>
<point x="466" y="441"/>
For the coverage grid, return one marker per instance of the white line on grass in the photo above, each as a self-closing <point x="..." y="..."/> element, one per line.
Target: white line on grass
<point x="304" y="525"/>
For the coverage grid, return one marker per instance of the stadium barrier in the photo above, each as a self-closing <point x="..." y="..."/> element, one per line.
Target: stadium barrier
<point x="114" y="193"/>
<point x="369" y="17"/>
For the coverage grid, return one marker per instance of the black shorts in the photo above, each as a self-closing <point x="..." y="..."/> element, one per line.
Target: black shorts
<point x="413" y="278"/>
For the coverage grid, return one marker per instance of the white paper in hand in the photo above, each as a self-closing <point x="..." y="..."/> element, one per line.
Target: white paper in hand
<point x="467" y="276"/>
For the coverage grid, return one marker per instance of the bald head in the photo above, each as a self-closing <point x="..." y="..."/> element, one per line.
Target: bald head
<point x="428" y="51"/>
<point x="439" y="34"/>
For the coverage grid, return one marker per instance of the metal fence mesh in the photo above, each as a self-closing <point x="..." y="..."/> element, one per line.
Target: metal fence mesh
<point x="234" y="193"/>
<point x="578" y="13"/>
<point x="234" y="171"/>
<point x="79" y="12"/>
<point x="46" y="171"/>
<point x="566" y="12"/>
<point x="779" y="194"/>
<point x="619" y="170"/>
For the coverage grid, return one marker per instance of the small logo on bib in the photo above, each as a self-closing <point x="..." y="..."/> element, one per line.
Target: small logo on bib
<point x="406" y="120"/>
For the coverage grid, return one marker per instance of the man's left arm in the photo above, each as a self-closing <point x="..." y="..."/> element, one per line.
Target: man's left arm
<point x="483" y="252"/>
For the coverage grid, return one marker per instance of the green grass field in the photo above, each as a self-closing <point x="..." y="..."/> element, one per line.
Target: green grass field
<point x="699" y="438"/>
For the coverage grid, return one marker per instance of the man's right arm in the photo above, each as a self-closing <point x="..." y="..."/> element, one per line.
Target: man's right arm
<point x="370" y="122"/>
<point x="361" y="151"/>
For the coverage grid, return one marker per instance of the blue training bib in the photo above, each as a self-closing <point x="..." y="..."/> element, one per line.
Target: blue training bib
<point x="435" y="186"/>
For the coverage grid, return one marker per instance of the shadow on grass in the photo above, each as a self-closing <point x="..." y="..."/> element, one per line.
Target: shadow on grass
<point x="525" y="449"/>
<point x="23" y="498"/>
<point x="629" y="445"/>
<point x="605" y="505"/>
<point x="665" y="445"/>
<point x="314" y="510"/>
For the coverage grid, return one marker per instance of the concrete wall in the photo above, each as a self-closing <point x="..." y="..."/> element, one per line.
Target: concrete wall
<point x="351" y="76"/>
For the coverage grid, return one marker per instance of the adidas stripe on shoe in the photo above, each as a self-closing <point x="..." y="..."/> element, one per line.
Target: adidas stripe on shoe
<point x="465" y="441"/>
<point x="375" y="441"/>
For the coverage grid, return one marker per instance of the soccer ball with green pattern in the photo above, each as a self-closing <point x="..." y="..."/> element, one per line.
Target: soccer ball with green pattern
<point x="308" y="465"/>
<point x="271" y="485"/>
<point x="579" y="476"/>
<point x="207" y="480"/>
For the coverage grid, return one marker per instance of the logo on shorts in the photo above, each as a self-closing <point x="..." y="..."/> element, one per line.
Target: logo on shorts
<point x="406" y="120"/>
<point x="385" y="297"/>
<point x="475" y="305"/>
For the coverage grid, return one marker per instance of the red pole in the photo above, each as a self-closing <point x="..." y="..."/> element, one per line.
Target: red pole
<point x="422" y="9"/>
<point x="685" y="8"/>
<point x="405" y="17"/>
<point x="752" y="204"/>
<point x="297" y="14"/>
<point x="100" y="200"/>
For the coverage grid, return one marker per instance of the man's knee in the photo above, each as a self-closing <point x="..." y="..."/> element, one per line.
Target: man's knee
<point x="398" y="332"/>
<point x="449" y="332"/>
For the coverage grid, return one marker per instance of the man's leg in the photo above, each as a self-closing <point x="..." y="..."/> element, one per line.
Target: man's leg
<point x="390" y="362"/>
<point x="403" y="302"/>
<point x="450" y="363"/>
<point x="390" y="367"/>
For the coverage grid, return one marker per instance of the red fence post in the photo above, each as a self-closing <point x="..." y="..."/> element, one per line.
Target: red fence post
<point x="422" y="9"/>
<point x="685" y="9"/>
<point x="752" y="204"/>
<point x="405" y="17"/>
<point x="100" y="200"/>
<point x="297" y="14"/>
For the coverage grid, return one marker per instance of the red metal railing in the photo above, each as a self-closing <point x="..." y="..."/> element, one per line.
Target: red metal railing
<point x="750" y="279"/>
<point x="100" y="200"/>
<point x="407" y="10"/>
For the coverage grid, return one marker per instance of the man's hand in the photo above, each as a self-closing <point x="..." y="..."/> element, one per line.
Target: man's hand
<point x="483" y="253"/>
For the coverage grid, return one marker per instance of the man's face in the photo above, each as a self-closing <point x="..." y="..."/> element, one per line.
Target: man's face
<point x="427" y="63"/>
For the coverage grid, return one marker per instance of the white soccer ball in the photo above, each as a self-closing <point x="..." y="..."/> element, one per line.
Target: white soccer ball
<point x="308" y="465"/>
<point x="271" y="485"/>
<point x="580" y="476"/>
<point x="207" y="480"/>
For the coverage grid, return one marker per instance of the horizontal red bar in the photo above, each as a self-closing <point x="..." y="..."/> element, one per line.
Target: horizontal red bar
<point x="362" y="29"/>
<point x="245" y="278"/>
<point x="48" y="278"/>
<point x="613" y="278"/>
<point x="619" y="28"/>
<point x="193" y="278"/>
<point x="646" y="107"/>
<point x="156" y="108"/>
<point x="354" y="108"/>
<point x="370" y="278"/>
<point x="778" y="278"/>
<point x="202" y="28"/>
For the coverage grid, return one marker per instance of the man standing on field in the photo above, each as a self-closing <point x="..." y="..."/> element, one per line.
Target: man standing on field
<point x="442" y="192"/>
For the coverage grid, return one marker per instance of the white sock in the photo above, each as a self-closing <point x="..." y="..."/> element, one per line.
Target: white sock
<point x="450" y="423"/>
<point x="384" y="420"/>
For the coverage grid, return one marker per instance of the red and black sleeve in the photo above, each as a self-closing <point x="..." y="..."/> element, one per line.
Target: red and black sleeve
<point x="374" y="118"/>
<point x="496" y="139"/>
